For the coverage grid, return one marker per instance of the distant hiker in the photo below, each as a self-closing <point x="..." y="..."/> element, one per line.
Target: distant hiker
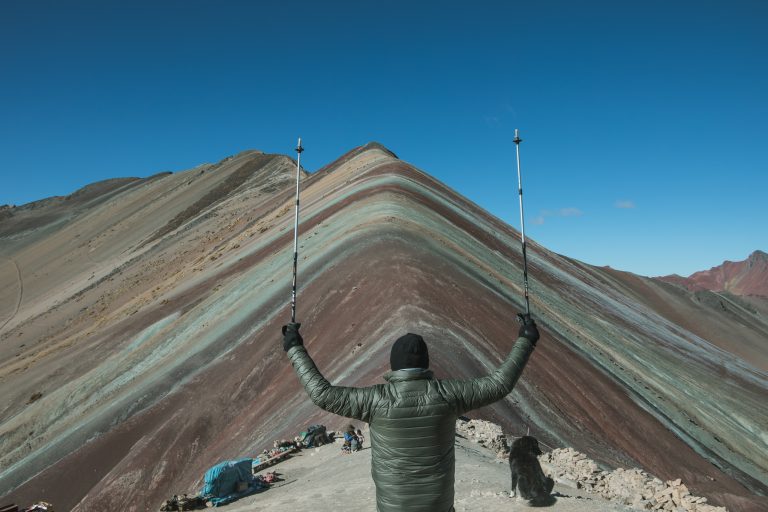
<point x="360" y="438"/>
<point x="351" y="440"/>
<point x="412" y="417"/>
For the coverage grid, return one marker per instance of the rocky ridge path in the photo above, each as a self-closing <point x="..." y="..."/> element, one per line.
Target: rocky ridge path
<point x="324" y="480"/>
<point x="566" y="466"/>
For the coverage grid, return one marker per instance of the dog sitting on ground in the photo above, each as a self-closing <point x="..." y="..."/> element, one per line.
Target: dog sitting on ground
<point x="527" y="475"/>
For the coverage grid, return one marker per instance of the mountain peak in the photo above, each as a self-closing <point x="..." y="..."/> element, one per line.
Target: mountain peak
<point x="354" y="152"/>
<point x="747" y="277"/>
<point x="377" y="145"/>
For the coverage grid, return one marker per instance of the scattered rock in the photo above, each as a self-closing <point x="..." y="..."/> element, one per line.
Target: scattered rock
<point x="484" y="433"/>
<point x="631" y="487"/>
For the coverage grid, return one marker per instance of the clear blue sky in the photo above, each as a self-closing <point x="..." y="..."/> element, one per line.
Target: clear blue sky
<point x="644" y="122"/>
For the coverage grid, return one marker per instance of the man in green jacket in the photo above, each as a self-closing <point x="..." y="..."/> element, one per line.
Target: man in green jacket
<point x="412" y="417"/>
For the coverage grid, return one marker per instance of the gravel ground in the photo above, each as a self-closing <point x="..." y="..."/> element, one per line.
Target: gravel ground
<point x="323" y="480"/>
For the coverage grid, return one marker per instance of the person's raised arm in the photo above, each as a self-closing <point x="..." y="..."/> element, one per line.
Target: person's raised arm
<point x="344" y="401"/>
<point x="475" y="393"/>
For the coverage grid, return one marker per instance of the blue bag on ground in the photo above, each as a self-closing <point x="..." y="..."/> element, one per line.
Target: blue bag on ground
<point x="223" y="480"/>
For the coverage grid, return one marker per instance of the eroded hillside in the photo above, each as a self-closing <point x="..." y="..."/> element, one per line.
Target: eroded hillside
<point x="141" y="336"/>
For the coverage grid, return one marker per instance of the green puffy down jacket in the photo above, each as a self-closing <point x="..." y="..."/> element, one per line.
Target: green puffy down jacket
<point x="413" y="420"/>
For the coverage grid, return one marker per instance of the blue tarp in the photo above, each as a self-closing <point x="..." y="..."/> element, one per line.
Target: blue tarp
<point x="221" y="481"/>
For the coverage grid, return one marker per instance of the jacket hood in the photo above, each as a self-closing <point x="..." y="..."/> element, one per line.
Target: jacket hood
<point x="404" y="375"/>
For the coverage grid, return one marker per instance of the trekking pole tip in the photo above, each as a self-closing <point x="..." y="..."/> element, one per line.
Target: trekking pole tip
<point x="517" y="139"/>
<point x="299" y="149"/>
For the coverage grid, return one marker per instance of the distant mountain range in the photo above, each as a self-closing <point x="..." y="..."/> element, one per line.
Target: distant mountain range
<point x="748" y="277"/>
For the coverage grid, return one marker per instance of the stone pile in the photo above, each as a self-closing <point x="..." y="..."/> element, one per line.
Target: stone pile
<point x="632" y="487"/>
<point x="486" y="434"/>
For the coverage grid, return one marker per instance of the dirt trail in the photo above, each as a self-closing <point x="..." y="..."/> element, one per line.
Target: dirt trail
<point x="21" y="294"/>
<point x="323" y="480"/>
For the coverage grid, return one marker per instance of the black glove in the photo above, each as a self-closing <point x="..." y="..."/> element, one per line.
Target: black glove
<point x="291" y="336"/>
<point x="528" y="330"/>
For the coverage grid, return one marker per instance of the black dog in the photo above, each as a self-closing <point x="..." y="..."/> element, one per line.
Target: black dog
<point x="527" y="475"/>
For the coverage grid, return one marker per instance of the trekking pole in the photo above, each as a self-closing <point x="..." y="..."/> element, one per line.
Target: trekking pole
<point x="517" y="140"/>
<point x="299" y="149"/>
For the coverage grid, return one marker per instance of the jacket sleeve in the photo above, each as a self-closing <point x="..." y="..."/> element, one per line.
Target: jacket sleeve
<point x="349" y="402"/>
<point x="475" y="393"/>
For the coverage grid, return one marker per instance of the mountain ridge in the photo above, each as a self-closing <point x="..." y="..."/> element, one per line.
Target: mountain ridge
<point x="142" y="333"/>
<point x="747" y="277"/>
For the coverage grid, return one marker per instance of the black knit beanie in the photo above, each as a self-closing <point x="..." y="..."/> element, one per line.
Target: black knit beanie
<point x="409" y="351"/>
